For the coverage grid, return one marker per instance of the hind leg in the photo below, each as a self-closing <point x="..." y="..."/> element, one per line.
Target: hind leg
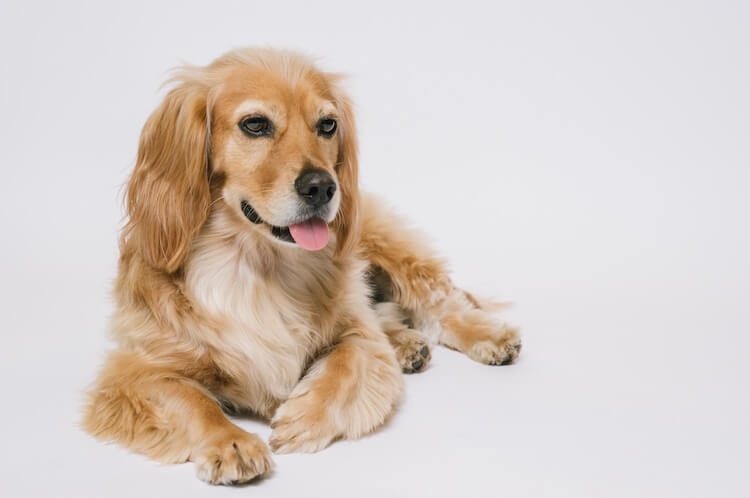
<point x="404" y="270"/>
<point x="469" y="327"/>
<point x="411" y="346"/>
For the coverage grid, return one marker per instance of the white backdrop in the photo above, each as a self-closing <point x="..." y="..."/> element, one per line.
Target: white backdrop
<point x="587" y="160"/>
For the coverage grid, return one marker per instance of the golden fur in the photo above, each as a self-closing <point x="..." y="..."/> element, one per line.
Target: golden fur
<point x="213" y="313"/>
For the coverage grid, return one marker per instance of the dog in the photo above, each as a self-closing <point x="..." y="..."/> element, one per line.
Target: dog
<point x="255" y="277"/>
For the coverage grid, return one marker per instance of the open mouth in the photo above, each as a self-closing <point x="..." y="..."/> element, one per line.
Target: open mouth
<point x="310" y="234"/>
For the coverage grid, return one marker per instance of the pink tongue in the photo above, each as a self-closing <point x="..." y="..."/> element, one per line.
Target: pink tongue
<point x="311" y="234"/>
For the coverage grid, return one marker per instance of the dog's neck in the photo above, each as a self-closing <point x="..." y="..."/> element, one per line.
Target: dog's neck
<point x="231" y="263"/>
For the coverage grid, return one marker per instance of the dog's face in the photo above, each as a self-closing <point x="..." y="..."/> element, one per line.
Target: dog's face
<point x="264" y="135"/>
<point x="276" y="146"/>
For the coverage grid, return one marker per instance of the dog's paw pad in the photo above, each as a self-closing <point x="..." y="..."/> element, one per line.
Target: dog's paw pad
<point x="503" y="350"/>
<point x="412" y="351"/>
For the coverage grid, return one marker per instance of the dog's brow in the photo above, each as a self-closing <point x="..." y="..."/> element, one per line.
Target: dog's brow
<point x="326" y="108"/>
<point x="254" y="107"/>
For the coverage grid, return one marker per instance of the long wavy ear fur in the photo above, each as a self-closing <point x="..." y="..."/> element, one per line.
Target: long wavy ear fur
<point x="347" y="222"/>
<point x="168" y="194"/>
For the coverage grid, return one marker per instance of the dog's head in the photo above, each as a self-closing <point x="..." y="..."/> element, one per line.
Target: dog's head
<point x="260" y="131"/>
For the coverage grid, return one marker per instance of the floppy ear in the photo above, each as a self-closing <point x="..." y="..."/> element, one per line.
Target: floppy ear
<point x="168" y="194"/>
<point x="346" y="223"/>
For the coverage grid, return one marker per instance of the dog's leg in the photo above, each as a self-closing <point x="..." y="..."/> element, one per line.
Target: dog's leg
<point x="469" y="326"/>
<point x="171" y="419"/>
<point x="404" y="270"/>
<point x="345" y="394"/>
<point x="403" y="267"/>
<point x="411" y="346"/>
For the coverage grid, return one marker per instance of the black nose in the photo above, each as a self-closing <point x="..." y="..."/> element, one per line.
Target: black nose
<point x="315" y="186"/>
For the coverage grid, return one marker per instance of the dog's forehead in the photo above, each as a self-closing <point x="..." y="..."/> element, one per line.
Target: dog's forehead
<point x="249" y="90"/>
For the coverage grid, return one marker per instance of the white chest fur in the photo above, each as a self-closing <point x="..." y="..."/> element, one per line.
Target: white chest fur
<point x="270" y="309"/>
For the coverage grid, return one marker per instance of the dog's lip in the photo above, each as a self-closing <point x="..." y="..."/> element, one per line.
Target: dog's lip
<point x="250" y="213"/>
<point x="281" y="233"/>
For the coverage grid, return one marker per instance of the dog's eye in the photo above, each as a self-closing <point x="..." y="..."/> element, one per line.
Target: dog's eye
<point x="327" y="127"/>
<point x="256" y="126"/>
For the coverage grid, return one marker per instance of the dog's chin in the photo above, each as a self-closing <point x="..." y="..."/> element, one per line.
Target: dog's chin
<point x="307" y="231"/>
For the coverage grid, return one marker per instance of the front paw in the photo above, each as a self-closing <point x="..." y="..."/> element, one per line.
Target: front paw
<point x="502" y="349"/>
<point x="232" y="457"/>
<point x="302" y="424"/>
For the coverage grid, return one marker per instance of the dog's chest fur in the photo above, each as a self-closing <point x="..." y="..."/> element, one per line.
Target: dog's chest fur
<point x="274" y="312"/>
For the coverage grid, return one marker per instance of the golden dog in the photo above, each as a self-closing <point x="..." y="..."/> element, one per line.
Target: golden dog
<point x="255" y="277"/>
